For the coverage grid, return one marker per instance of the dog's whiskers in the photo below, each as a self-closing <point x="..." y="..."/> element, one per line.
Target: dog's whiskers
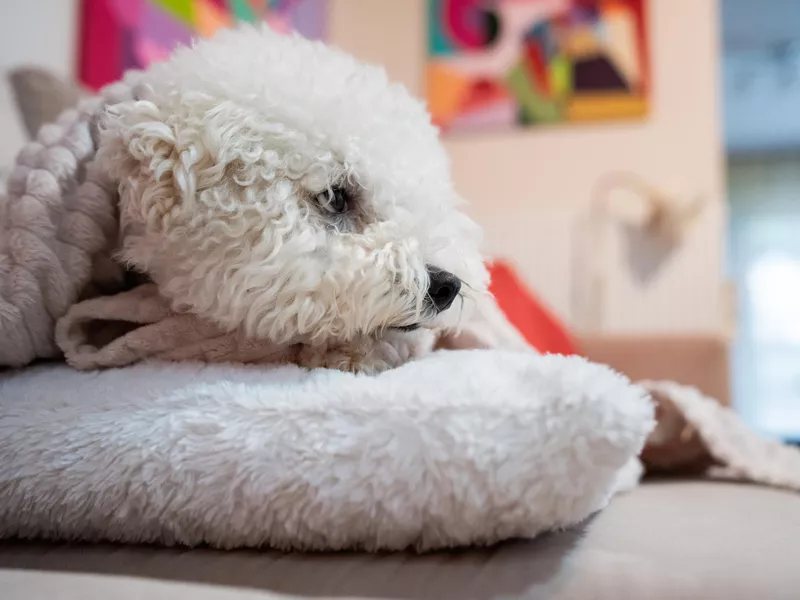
<point x="460" y="309"/>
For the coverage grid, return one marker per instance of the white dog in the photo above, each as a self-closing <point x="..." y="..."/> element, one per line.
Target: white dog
<point x="278" y="185"/>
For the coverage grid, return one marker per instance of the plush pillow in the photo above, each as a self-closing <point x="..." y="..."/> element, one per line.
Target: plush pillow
<point x="459" y="448"/>
<point x="12" y="130"/>
<point x="41" y="96"/>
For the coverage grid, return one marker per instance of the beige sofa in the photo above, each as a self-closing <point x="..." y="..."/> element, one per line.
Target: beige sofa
<point x="664" y="541"/>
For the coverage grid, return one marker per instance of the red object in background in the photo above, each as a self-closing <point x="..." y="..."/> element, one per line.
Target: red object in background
<point x="482" y="93"/>
<point x="536" y="65"/>
<point x="101" y="37"/>
<point x="542" y="330"/>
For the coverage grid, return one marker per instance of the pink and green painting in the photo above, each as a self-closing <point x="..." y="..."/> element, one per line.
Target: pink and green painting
<point x="495" y="64"/>
<point x="117" y="35"/>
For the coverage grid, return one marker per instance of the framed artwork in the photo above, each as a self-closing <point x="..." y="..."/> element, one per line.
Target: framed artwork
<point x="117" y="35"/>
<point x="495" y="64"/>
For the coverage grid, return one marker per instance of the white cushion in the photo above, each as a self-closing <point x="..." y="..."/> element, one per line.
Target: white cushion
<point x="460" y="448"/>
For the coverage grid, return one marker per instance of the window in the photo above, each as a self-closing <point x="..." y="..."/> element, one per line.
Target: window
<point x="764" y="260"/>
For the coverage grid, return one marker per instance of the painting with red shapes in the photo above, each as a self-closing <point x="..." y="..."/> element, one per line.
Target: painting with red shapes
<point x="117" y="35"/>
<point x="495" y="64"/>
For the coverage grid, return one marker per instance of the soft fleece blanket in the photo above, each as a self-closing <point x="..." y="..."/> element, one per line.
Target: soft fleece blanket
<point x="454" y="449"/>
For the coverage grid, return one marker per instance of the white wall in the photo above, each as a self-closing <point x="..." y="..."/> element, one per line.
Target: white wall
<point x="32" y="32"/>
<point x="38" y="32"/>
<point x="527" y="187"/>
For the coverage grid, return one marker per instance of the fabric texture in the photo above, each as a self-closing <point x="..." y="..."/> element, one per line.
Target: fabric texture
<point x="58" y="229"/>
<point x="459" y="448"/>
<point x="128" y="327"/>
<point x="666" y="540"/>
<point x="138" y="324"/>
<point x="19" y="584"/>
<point x="695" y="433"/>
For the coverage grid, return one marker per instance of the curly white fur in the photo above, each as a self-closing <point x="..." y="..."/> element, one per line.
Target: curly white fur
<point x="221" y="161"/>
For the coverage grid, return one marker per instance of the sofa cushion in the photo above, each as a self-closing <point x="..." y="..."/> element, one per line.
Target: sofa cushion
<point x="666" y="540"/>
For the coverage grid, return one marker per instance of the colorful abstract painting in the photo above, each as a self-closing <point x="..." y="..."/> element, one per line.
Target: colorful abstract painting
<point x="502" y="63"/>
<point x="118" y="35"/>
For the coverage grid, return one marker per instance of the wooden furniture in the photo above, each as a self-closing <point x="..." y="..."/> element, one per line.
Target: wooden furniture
<point x="702" y="361"/>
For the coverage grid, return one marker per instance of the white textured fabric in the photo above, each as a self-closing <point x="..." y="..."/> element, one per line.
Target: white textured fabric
<point x="58" y="228"/>
<point x="695" y="431"/>
<point x="467" y="447"/>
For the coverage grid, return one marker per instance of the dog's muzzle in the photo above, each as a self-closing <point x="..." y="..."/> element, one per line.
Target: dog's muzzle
<point x="443" y="287"/>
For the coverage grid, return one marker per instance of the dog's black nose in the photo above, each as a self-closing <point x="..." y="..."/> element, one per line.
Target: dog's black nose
<point x="443" y="288"/>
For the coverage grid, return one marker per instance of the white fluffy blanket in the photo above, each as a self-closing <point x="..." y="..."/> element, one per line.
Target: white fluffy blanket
<point x="467" y="447"/>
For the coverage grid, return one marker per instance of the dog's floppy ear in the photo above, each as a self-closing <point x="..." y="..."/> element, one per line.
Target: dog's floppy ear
<point x="153" y="161"/>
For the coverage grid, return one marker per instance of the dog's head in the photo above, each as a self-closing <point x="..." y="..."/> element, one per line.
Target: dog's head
<point x="279" y="185"/>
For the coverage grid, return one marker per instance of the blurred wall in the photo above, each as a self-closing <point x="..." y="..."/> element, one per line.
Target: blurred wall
<point x="32" y="32"/>
<point x="39" y="32"/>
<point x="762" y="97"/>
<point x="526" y="188"/>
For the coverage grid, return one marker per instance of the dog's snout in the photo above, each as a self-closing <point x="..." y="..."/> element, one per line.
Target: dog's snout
<point x="443" y="288"/>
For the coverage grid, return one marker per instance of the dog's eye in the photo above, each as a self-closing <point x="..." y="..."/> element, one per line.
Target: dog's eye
<point x="334" y="200"/>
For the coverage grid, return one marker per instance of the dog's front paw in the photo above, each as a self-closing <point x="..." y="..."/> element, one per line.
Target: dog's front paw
<point x="368" y="354"/>
<point x="340" y="358"/>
